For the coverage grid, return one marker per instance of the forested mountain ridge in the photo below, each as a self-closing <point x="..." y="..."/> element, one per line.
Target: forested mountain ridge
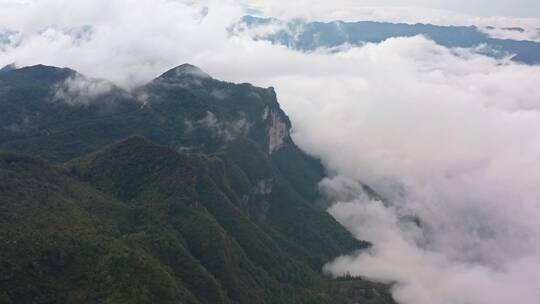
<point x="208" y="200"/>
<point x="309" y="36"/>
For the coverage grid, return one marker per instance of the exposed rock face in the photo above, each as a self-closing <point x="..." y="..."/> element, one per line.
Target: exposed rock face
<point x="264" y="187"/>
<point x="277" y="132"/>
<point x="265" y="113"/>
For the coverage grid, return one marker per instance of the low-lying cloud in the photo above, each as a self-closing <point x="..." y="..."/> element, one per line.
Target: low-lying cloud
<point x="448" y="138"/>
<point x="80" y="90"/>
<point x="226" y="130"/>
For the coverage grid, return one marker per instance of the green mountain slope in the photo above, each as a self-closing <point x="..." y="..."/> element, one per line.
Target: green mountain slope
<point x="61" y="242"/>
<point x="186" y="110"/>
<point x="140" y="223"/>
<point x="220" y="210"/>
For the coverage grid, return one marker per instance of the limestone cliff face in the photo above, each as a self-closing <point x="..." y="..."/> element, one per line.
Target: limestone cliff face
<point x="278" y="130"/>
<point x="264" y="187"/>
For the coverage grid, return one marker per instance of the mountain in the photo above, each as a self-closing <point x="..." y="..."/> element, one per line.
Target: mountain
<point x="185" y="190"/>
<point x="308" y="36"/>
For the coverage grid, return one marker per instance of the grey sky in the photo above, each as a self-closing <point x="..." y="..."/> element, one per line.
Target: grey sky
<point x="516" y="8"/>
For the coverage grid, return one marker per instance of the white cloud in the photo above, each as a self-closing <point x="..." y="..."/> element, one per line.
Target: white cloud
<point x="80" y="90"/>
<point x="130" y="43"/>
<point x="226" y="130"/>
<point x="448" y="137"/>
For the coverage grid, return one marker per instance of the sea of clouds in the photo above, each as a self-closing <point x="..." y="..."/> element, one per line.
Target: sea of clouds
<point x="448" y="138"/>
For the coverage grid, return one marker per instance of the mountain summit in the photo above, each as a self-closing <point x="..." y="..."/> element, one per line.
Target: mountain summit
<point x="226" y="109"/>
<point x="34" y="75"/>
<point x="185" y="71"/>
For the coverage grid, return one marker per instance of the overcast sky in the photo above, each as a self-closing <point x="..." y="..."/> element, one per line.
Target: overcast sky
<point x="517" y="8"/>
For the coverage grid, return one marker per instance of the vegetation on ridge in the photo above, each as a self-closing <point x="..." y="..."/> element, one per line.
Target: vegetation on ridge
<point x="130" y="221"/>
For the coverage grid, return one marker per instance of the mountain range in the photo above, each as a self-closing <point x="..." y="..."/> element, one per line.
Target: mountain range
<point x="309" y="36"/>
<point x="185" y="190"/>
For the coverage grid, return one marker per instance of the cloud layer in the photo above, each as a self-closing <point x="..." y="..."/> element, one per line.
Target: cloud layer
<point x="448" y="138"/>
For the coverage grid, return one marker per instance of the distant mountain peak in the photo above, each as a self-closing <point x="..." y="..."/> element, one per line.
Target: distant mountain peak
<point x="35" y="75"/>
<point x="43" y="67"/>
<point x="307" y="36"/>
<point x="185" y="71"/>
